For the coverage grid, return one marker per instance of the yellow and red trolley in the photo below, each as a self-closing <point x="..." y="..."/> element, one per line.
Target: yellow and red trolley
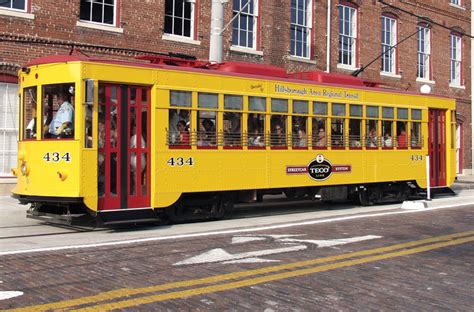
<point x="183" y="139"/>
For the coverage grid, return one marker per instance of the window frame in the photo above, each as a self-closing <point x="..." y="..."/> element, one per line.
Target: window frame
<point x="306" y="27"/>
<point x="424" y="52"/>
<point x="193" y="20"/>
<point x="27" y="8"/>
<point x="392" y="22"/>
<point x="352" y="35"/>
<point x="455" y="60"/>
<point x="116" y="19"/>
<point x="255" y="28"/>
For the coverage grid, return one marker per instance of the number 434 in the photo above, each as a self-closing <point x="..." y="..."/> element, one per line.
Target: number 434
<point x="57" y="157"/>
<point x="180" y="161"/>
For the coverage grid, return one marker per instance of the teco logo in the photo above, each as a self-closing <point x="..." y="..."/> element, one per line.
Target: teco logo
<point x="319" y="169"/>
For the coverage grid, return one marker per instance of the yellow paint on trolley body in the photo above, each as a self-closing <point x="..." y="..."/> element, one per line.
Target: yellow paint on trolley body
<point x="269" y="274"/>
<point x="224" y="169"/>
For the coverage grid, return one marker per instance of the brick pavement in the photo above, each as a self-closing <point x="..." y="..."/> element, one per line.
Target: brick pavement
<point x="439" y="279"/>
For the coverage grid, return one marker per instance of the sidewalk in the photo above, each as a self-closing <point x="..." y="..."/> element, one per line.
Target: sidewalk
<point x="464" y="182"/>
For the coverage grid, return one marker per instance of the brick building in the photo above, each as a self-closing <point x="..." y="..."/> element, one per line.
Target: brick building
<point x="434" y="44"/>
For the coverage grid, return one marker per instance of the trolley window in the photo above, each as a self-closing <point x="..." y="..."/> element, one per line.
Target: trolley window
<point x="337" y="125"/>
<point x="300" y="107"/>
<point x="415" y="131"/>
<point x="319" y="132"/>
<point x="299" y="124"/>
<point x="300" y="138"/>
<point x="371" y="138"/>
<point x="278" y="128"/>
<point x="180" y="98"/>
<point x="258" y="104"/>
<point x="179" y="119"/>
<point x="207" y="120"/>
<point x="58" y="111"/>
<point x="372" y="112"/>
<point x="416" y="114"/>
<point x="320" y="108"/>
<point x="30" y="105"/>
<point x="233" y="121"/>
<point x="372" y="127"/>
<point x="278" y="123"/>
<point x="88" y="116"/>
<point x="279" y="106"/>
<point x="256" y="130"/>
<point x="387" y="127"/>
<point x="355" y="126"/>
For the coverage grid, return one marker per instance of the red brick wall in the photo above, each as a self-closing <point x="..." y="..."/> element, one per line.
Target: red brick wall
<point x="143" y="22"/>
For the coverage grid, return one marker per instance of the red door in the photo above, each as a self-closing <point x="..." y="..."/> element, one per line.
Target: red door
<point x="123" y="153"/>
<point x="437" y="147"/>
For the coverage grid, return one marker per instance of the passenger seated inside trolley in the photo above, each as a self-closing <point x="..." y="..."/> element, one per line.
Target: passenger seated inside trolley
<point x="256" y="129"/>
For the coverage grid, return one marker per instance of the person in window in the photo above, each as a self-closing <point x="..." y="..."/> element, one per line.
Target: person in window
<point x="62" y="124"/>
<point x="255" y="139"/>
<point x="321" y="139"/>
<point x="302" y="139"/>
<point x="183" y="133"/>
<point x="278" y="136"/>
<point x="372" y="138"/>
<point x="387" y="142"/>
<point x="210" y="131"/>
<point x="173" y="129"/>
<point x="31" y="128"/>
<point x="402" y="138"/>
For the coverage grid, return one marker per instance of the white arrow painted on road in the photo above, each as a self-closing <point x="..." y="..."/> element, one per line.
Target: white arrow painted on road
<point x="220" y="255"/>
<point x="4" y="295"/>
<point x="329" y="242"/>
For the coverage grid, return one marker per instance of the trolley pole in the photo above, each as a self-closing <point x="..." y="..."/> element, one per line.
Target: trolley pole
<point x="428" y="191"/>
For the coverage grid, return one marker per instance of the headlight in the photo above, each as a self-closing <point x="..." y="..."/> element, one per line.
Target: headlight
<point x="24" y="168"/>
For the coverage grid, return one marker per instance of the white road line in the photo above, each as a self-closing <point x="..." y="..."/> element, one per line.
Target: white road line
<point x="4" y="295"/>
<point x="246" y="230"/>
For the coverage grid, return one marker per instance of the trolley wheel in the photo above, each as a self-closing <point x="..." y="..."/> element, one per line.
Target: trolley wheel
<point x="225" y="206"/>
<point x="364" y="197"/>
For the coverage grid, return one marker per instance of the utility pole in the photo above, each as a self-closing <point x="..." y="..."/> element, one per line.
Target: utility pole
<point x="216" y="45"/>
<point x="472" y="90"/>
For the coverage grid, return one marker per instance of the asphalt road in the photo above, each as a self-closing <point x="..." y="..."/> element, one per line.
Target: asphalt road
<point x="273" y="257"/>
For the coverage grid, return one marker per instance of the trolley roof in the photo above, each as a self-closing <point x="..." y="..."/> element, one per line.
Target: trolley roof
<point x="238" y="69"/>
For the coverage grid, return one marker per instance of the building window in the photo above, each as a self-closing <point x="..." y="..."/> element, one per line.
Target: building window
<point x="456" y="59"/>
<point x="179" y="18"/>
<point x="424" y="53"/>
<point x="8" y="127"/>
<point x="300" y="28"/>
<point x="99" y="11"/>
<point x="13" y="4"/>
<point x="347" y="35"/>
<point x="456" y="2"/>
<point x="244" y="33"/>
<point x="389" y="39"/>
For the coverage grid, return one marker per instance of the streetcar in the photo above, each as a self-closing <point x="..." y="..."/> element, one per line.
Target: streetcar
<point x="175" y="138"/>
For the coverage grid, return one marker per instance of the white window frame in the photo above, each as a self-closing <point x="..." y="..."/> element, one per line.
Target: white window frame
<point x="456" y="2"/>
<point x="13" y="9"/>
<point x="424" y="52"/>
<point x="173" y="16"/>
<point x="114" y="24"/>
<point x="389" y="39"/>
<point x="348" y="34"/>
<point x="11" y="109"/>
<point x="245" y="28"/>
<point x="456" y="60"/>
<point x="304" y="26"/>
